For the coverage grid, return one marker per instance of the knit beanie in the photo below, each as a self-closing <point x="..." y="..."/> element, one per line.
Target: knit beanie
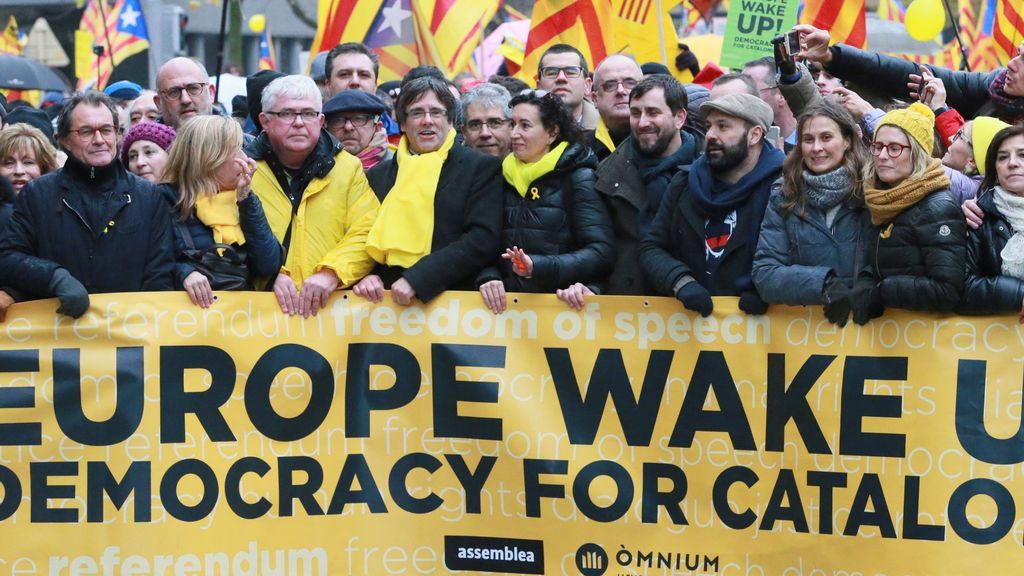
<point x="983" y="130"/>
<point x="917" y="120"/>
<point x="160" y="134"/>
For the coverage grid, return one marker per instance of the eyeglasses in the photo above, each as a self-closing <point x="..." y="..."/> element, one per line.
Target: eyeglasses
<point x="491" y="123"/>
<point x="894" y="150"/>
<point x="357" y="120"/>
<point x="194" y="89"/>
<point x="420" y="113"/>
<point x="89" y="132"/>
<point x="960" y="136"/>
<point x="612" y="85"/>
<point x="552" y="72"/>
<point x="307" y="116"/>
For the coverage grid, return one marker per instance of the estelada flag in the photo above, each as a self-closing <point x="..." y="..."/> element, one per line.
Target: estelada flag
<point x="386" y="27"/>
<point x="268" y="60"/>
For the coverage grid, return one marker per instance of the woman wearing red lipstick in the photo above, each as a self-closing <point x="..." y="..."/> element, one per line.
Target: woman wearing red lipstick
<point x="816" y="231"/>
<point x="25" y="154"/>
<point x="995" y="251"/>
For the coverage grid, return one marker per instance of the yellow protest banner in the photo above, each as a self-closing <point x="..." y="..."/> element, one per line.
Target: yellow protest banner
<point x="153" y="437"/>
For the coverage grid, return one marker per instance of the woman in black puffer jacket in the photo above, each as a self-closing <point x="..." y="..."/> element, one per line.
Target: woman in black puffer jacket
<point x="556" y="229"/>
<point x="995" y="251"/>
<point x="920" y="249"/>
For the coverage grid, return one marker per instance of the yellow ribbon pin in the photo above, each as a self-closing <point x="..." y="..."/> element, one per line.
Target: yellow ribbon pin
<point x="535" y="193"/>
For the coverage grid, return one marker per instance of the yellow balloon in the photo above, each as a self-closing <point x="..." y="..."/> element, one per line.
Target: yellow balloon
<point x="925" y="19"/>
<point x="257" y="22"/>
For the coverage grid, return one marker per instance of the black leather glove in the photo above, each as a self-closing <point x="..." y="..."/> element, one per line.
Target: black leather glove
<point x="837" y="301"/>
<point x="866" y="299"/>
<point x="751" y="303"/>
<point x="74" y="298"/>
<point x="695" y="297"/>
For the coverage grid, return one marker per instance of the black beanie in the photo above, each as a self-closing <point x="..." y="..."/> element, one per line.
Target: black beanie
<point x="254" y="86"/>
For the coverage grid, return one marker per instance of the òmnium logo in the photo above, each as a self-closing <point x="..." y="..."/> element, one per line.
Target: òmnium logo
<point x="508" y="555"/>
<point x="591" y="560"/>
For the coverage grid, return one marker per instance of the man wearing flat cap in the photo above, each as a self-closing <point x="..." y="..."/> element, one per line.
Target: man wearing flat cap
<point x="353" y="117"/>
<point x="704" y="235"/>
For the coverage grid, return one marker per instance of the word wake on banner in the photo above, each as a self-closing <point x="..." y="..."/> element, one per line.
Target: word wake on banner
<point x="153" y="437"/>
<point x="750" y="27"/>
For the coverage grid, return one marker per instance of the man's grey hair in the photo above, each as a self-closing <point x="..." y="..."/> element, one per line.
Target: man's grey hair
<point x="486" y="95"/>
<point x="296" y="87"/>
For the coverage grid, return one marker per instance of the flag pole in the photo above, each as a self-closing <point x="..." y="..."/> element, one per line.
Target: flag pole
<point x="964" y="64"/>
<point x="220" y="46"/>
<point x="661" y="34"/>
<point x="110" y="46"/>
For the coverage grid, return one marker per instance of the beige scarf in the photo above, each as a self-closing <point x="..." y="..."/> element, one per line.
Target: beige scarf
<point x="886" y="204"/>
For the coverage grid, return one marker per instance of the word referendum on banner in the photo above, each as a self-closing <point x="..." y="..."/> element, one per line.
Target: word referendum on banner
<point x="153" y="437"/>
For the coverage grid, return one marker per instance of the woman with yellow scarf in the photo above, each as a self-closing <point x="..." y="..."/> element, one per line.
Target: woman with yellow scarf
<point x="207" y="180"/>
<point x="920" y="253"/>
<point x="556" y="230"/>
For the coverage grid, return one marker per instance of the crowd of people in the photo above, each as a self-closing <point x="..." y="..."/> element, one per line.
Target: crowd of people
<point x="834" y="177"/>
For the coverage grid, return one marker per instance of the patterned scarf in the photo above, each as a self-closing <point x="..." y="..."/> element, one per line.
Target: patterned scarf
<point x="375" y="151"/>
<point x="1009" y="108"/>
<point x="886" y="204"/>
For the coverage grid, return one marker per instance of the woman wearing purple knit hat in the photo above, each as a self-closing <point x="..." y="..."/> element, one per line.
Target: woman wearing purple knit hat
<point x="144" y="149"/>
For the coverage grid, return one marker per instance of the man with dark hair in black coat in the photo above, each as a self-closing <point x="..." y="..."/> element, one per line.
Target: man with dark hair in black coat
<point x="90" y="227"/>
<point x="704" y="235"/>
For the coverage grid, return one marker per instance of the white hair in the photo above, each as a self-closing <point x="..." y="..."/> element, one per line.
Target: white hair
<point x="296" y="86"/>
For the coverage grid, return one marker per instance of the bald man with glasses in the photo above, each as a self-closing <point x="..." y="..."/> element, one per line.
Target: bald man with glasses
<point x="183" y="91"/>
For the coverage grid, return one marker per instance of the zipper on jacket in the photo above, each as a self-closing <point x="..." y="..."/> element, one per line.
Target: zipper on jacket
<point x="77" y="213"/>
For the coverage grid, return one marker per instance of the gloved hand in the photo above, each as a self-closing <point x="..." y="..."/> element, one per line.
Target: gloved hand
<point x="74" y="298"/>
<point x="837" y="301"/>
<point x="866" y="299"/>
<point x="695" y="297"/>
<point x="751" y="303"/>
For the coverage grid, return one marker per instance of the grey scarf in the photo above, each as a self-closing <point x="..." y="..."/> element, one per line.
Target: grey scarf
<point x="826" y="191"/>
<point x="1012" y="209"/>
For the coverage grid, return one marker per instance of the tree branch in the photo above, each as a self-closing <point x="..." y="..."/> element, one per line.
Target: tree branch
<point x="301" y="14"/>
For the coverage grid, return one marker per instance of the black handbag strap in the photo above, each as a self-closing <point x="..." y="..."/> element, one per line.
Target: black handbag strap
<point x="185" y="234"/>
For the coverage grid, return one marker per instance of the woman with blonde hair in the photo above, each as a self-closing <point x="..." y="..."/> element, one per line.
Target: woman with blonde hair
<point x="920" y="254"/>
<point x="25" y="154"/>
<point x="207" y="179"/>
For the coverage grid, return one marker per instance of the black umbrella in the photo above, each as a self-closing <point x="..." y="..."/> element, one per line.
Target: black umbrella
<point x="19" y="73"/>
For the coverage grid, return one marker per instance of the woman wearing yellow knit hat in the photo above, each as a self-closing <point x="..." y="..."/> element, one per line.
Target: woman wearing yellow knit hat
<point x="919" y="257"/>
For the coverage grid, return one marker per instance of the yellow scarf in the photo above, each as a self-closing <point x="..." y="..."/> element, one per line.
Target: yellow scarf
<point x="220" y="213"/>
<point x="886" y="204"/>
<point x="404" y="229"/>
<point x="602" y="135"/>
<point x="521" y="174"/>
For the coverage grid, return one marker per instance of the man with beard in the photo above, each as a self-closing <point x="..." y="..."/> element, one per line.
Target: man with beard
<point x="183" y="91"/>
<point x="634" y="179"/>
<point x="704" y="235"/>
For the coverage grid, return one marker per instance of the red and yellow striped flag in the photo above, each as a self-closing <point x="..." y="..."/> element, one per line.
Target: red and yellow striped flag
<point x="447" y="31"/>
<point x="844" y="19"/>
<point x="948" y="57"/>
<point x="386" y="27"/>
<point x="1008" y="29"/>
<point x="120" y="27"/>
<point x="644" y="29"/>
<point x="585" y="24"/>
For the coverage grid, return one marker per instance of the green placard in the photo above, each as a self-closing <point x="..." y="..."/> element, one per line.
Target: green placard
<point x="750" y="27"/>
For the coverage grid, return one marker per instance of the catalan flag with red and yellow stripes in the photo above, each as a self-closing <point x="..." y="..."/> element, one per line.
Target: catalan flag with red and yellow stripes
<point x="386" y="27"/>
<point x="447" y="31"/>
<point x="644" y="29"/>
<point x="585" y="24"/>
<point x="892" y="11"/>
<point x="1008" y="29"/>
<point x="844" y="19"/>
<point x="120" y="27"/>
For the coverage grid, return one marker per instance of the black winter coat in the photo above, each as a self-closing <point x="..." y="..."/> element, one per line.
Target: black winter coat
<point x="986" y="290"/>
<point x="920" y="256"/>
<point x="967" y="92"/>
<point x="565" y="230"/>
<point x="467" y="223"/>
<point x="675" y="245"/>
<point x="49" y="229"/>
